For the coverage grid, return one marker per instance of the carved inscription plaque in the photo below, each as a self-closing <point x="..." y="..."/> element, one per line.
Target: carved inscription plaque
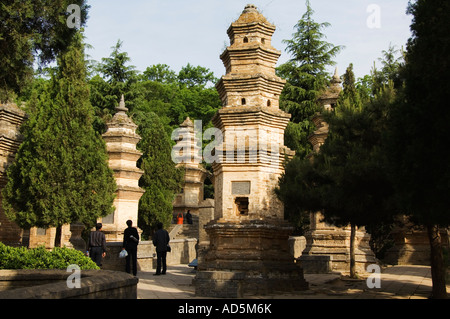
<point x="240" y="188"/>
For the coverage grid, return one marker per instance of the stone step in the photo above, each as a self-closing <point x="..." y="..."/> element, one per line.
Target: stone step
<point x="177" y="231"/>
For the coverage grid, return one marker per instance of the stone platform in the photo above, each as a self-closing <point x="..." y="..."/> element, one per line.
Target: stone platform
<point x="251" y="257"/>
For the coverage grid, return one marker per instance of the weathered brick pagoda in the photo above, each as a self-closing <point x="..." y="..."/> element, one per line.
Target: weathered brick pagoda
<point x="194" y="174"/>
<point x="121" y="140"/>
<point x="248" y="250"/>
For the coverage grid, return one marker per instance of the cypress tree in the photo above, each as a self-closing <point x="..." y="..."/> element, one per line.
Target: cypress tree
<point x="61" y="174"/>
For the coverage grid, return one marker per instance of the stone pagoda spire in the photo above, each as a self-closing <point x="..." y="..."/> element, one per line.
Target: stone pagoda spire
<point x="250" y="62"/>
<point x="194" y="173"/>
<point x="121" y="140"/>
<point x="251" y="121"/>
<point x="248" y="238"/>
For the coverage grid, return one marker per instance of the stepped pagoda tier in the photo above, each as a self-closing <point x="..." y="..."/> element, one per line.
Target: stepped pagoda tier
<point x="248" y="248"/>
<point x="250" y="62"/>
<point x="121" y="140"/>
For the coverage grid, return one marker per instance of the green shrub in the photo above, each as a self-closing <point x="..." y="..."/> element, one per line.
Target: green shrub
<point x="40" y="258"/>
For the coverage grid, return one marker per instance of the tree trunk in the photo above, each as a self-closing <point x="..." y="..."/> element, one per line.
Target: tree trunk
<point x="352" y="251"/>
<point x="437" y="263"/>
<point x="58" y="236"/>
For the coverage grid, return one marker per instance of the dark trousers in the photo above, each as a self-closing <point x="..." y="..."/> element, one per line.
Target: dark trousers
<point x="161" y="261"/>
<point x="131" y="258"/>
<point x="96" y="255"/>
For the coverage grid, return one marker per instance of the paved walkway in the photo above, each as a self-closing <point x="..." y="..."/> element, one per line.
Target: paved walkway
<point x="397" y="282"/>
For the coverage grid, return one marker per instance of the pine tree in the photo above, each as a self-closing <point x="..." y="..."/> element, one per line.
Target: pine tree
<point x="306" y="78"/>
<point x="418" y="129"/>
<point x="61" y="174"/>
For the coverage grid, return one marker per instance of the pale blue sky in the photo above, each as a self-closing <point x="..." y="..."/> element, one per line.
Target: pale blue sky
<point x="178" y="32"/>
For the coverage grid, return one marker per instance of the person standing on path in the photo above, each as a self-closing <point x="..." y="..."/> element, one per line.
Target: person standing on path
<point x="97" y="245"/>
<point x="160" y="241"/>
<point x="130" y="244"/>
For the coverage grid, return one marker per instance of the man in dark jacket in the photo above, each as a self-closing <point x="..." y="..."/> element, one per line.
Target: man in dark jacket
<point x="97" y="244"/>
<point x="130" y="243"/>
<point x="161" y="240"/>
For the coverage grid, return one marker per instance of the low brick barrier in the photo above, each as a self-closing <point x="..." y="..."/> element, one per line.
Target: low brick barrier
<point x="53" y="284"/>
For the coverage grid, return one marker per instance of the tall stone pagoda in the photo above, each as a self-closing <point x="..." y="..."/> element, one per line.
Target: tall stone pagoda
<point x="248" y="250"/>
<point x="327" y="246"/>
<point x="194" y="173"/>
<point x="121" y="140"/>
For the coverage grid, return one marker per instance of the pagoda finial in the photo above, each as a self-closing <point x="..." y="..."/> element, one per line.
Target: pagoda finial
<point x="250" y="8"/>
<point x="121" y="107"/>
<point x="187" y="123"/>
<point x="336" y="77"/>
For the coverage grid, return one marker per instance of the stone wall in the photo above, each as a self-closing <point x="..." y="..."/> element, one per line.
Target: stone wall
<point x="183" y="252"/>
<point x="52" y="284"/>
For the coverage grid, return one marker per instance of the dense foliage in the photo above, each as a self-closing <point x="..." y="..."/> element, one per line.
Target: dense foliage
<point x="40" y="258"/>
<point x="418" y="129"/>
<point x="383" y="156"/>
<point x="61" y="174"/>
<point x="32" y="31"/>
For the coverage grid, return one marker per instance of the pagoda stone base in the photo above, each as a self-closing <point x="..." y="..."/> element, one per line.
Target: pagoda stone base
<point x="250" y="257"/>
<point x="411" y="244"/>
<point x="328" y="250"/>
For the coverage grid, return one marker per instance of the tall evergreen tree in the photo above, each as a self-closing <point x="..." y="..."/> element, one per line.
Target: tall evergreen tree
<point x="419" y="136"/>
<point x="306" y="78"/>
<point x="61" y="174"/>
